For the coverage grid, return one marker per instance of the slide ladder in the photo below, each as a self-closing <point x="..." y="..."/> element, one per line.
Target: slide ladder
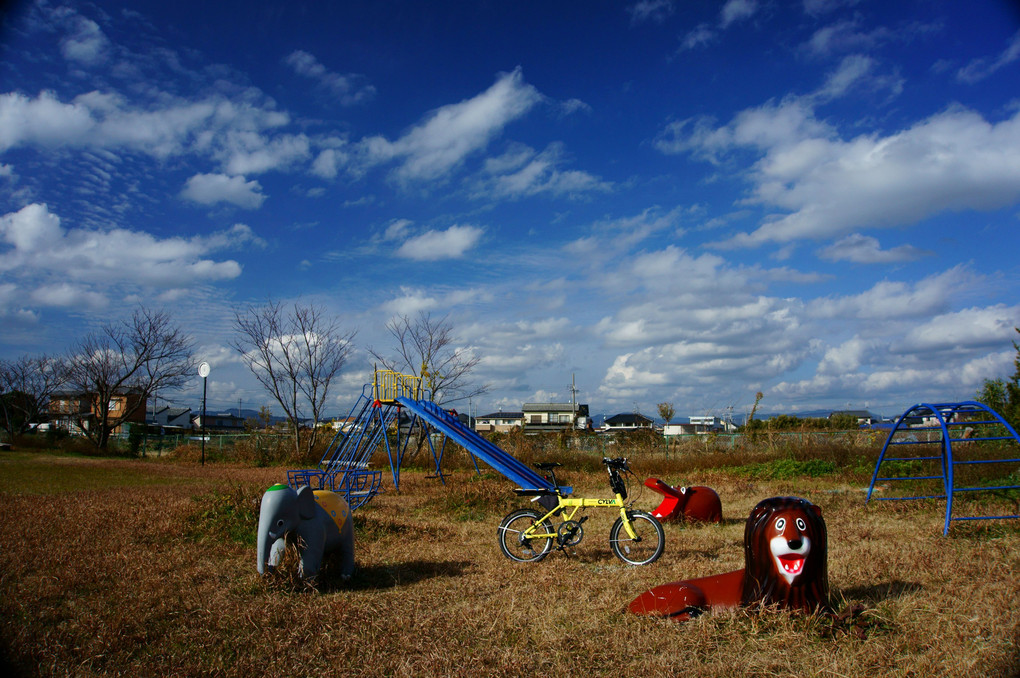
<point x="344" y="466"/>
<point x="926" y="425"/>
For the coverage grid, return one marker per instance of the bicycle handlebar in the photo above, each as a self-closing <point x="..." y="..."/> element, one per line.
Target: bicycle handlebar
<point x="618" y="462"/>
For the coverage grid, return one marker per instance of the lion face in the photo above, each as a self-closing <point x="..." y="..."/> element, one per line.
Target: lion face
<point x="790" y="546"/>
<point x="785" y="554"/>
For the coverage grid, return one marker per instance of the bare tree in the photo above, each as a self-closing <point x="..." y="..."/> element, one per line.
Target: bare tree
<point x="667" y="411"/>
<point x="25" y="388"/>
<point x="425" y="348"/>
<point x="126" y="363"/>
<point x="295" y="355"/>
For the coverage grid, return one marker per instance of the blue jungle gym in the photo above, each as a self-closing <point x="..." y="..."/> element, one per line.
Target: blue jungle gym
<point x="395" y="398"/>
<point x="926" y="425"/>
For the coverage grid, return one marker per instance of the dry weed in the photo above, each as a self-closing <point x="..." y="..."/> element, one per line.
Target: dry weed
<point x="143" y="574"/>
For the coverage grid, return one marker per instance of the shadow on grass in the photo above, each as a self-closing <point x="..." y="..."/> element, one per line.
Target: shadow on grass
<point x="877" y="593"/>
<point x="376" y="577"/>
<point x="680" y="522"/>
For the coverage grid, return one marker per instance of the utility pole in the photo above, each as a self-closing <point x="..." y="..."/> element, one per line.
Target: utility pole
<point x="573" y="394"/>
<point x="573" y="401"/>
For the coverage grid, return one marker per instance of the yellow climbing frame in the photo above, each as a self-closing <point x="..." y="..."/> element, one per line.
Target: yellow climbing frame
<point x="388" y="385"/>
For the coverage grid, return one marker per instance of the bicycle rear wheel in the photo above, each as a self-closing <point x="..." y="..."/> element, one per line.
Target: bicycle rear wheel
<point x="649" y="545"/>
<point x="515" y="545"/>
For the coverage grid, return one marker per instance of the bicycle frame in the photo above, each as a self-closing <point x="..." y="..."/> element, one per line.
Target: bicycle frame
<point x="575" y="505"/>
<point x="636" y="537"/>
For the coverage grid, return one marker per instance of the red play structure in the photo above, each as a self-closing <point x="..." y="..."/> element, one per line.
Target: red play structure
<point x="686" y="503"/>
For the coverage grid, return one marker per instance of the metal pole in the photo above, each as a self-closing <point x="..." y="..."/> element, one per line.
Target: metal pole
<point x="204" y="380"/>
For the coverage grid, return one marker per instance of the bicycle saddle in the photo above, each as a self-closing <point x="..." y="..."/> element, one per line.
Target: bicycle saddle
<point x="547" y="465"/>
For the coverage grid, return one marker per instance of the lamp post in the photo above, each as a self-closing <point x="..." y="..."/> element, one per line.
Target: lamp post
<point x="203" y="371"/>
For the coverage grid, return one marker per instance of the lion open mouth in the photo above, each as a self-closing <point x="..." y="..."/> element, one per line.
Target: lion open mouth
<point x="789" y="562"/>
<point x="792" y="563"/>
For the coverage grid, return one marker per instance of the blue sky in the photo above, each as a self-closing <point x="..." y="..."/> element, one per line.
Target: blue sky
<point x="682" y="201"/>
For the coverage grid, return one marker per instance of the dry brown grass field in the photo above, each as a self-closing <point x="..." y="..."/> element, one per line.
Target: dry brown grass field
<point x="147" y="568"/>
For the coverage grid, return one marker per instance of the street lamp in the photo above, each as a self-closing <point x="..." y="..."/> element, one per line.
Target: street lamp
<point x="203" y="371"/>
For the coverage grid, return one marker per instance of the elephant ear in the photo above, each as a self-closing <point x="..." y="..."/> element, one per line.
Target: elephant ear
<point x="306" y="502"/>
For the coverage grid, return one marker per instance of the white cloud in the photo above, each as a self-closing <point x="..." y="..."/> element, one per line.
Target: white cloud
<point x="328" y="163"/>
<point x="42" y="121"/>
<point x="412" y="300"/>
<point x="700" y="35"/>
<point x="66" y="295"/>
<point x="435" y="245"/>
<point x="232" y="132"/>
<point x="945" y="358"/>
<point x="348" y="89"/>
<point x="737" y="10"/>
<point x="851" y="70"/>
<point x="650" y="10"/>
<point x="818" y="7"/>
<point x="847" y="357"/>
<point x="209" y="189"/>
<point x="450" y="134"/>
<point x="889" y="300"/>
<point x="845" y="36"/>
<point x="770" y="126"/>
<point x="953" y="161"/>
<point x="510" y="361"/>
<point x="87" y="44"/>
<point x="246" y="152"/>
<point x="522" y="172"/>
<point x="966" y="329"/>
<point x="732" y="12"/>
<point x="398" y="229"/>
<point x="78" y="267"/>
<point x="862" y="249"/>
<point x="979" y="69"/>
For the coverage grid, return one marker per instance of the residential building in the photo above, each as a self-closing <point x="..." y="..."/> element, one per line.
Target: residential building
<point x="177" y="417"/>
<point x="863" y="417"/>
<point x="223" y="421"/>
<point x="710" y="424"/>
<point x="499" y="422"/>
<point x="539" y="417"/>
<point x="76" y="410"/>
<point x="628" y="422"/>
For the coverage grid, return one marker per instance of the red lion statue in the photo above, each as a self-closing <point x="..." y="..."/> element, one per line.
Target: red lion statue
<point x="785" y="564"/>
<point x="695" y="502"/>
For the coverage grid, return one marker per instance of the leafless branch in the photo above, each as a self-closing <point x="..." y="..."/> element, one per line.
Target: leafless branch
<point x="26" y="385"/>
<point x="425" y="347"/>
<point x="294" y="355"/>
<point x="145" y="354"/>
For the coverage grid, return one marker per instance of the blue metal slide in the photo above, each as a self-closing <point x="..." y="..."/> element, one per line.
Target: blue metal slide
<point x="453" y="429"/>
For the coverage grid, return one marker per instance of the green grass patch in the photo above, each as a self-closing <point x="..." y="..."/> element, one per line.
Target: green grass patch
<point x="47" y="474"/>
<point x="231" y="516"/>
<point x="786" y="469"/>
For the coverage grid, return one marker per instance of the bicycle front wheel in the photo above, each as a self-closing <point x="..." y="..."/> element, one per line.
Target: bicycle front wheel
<point x="647" y="547"/>
<point x="513" y="542"/>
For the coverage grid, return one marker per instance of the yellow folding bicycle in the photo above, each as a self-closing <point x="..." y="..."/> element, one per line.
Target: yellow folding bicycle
<point x="527" y="535"/>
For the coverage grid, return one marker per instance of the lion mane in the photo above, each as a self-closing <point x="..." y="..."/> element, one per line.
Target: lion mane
<point x="785" y="566"/>
<point x="786" y="555"/>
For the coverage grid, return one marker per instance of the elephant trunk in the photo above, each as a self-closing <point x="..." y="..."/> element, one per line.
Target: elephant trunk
<point x="264" y="545"/>
<point x="272" y="527"/>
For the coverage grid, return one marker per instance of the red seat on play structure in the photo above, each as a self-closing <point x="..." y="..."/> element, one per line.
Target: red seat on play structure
<point x="686" y="503"/>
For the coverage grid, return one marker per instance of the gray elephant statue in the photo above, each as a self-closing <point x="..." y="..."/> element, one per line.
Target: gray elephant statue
<point x="319" y="518"/>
